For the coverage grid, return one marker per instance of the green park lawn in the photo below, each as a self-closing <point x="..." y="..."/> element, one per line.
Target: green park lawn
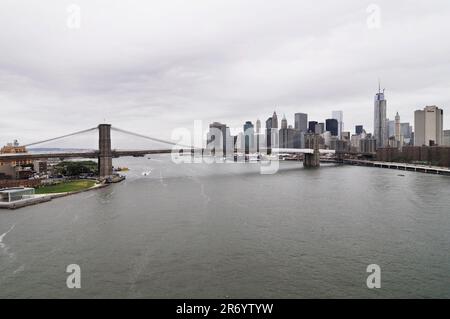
<point x="70" y="186"/>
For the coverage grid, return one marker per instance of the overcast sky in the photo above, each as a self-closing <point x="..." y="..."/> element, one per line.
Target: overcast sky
<point x="153" y="66"/>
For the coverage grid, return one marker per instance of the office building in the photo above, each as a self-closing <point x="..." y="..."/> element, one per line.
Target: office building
<point x="258" y="133"/>
<point x="446" y="138"/>
<point x="380" y="121"/>
<point x="269" y="134"/>
<point x="368" y="144"/>
<point x="274" y="120"/>
<point x="312" y="126"/>
<point x="249" y="136"/>
<point x="301" y="122"/>
<point x="287" y="136"/>
<point x="332" y="126"/>
<point x="217" y="138"/>
<point x="428" y="126"/>
<point x="339" y="117"/>
<point x="359" y="129"/>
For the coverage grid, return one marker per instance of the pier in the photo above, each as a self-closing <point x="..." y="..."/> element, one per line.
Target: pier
<point x="400" y="166"/>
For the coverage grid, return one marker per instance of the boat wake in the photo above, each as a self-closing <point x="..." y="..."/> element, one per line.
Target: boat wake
<point x="3" y="246"/>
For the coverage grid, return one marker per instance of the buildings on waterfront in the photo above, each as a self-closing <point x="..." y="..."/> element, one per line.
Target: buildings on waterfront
<point x="428" y="126"/>
<point x="18" y="169"/>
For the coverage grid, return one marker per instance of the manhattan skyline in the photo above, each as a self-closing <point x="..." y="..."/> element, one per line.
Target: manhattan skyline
<point x="172" y="70"/>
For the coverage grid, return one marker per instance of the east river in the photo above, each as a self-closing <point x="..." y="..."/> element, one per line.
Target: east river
<point x="227" y="231"/>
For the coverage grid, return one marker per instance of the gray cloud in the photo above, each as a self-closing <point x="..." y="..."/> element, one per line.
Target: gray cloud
<point x="152" y="66"/>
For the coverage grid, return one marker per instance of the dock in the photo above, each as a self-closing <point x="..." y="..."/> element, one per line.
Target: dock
<point x="400" y="166"/>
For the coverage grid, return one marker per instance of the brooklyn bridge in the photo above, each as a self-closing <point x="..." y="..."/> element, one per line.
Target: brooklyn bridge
<point x="105" y="153"/>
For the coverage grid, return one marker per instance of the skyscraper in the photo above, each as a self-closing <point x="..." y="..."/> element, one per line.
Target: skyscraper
<point x="405" y="129"/>
<point x="379" y="122"/>
<point x="339" y="117"/>
<point x="390" y="128"/>
<point x="332" y="126"/>
<point x="284" y="122"/>
<point x="249" y="135"/>
<point x="258" y="132"/>
<point x="397" y="128"/>
<point x="320" y="128"/>
<point x="312" y="126"/>
<point x="301" y="122"/>
<point x="286" y="135"/>
<point x="274" y="120"/>
<point x="269" y="134"/>
<point x="217" y="138"/>
<point x="428" y="126"/>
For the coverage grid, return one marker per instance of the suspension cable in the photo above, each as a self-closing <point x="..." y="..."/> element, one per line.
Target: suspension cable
<point x="149" y="137"/>
<point x="61" y="137"/>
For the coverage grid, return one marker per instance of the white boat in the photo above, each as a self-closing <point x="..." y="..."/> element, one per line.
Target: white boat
<point x="146" y="173"/>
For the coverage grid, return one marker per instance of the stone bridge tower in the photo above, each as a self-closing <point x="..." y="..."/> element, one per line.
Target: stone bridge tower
<point x="105" y="153"/>
<point x="312" y="160"/>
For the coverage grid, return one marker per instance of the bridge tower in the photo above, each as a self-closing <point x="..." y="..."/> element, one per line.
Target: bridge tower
<point x="312" y="160"/>
<point x="104" y="148"/>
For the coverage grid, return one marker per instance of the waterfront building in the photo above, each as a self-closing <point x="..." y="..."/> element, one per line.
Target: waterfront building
<point x="339" y="117"/>
<point x="428" y="126"/>
<point x="380" y="121"/>
<point x="332" y="126"/>
<point x="355" y="141"/>
<point x="15" y="194"/>
<point x="12" y="148"/>
<point x="368" y="144"/>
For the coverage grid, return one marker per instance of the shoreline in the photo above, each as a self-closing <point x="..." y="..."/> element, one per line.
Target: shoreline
<point x="43" y="198"/>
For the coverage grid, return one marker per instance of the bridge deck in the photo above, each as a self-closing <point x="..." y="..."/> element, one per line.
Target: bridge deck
<point x="121" y="153"/>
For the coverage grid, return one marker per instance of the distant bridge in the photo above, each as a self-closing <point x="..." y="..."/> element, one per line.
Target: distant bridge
<point x="105" y="154"/>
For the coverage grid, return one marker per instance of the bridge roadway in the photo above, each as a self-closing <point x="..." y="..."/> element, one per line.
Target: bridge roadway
<point x="122" y="153"/>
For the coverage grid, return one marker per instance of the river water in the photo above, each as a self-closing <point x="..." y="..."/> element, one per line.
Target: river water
<point x="225" y="230"/>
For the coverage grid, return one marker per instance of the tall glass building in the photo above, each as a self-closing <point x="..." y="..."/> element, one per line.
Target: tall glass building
<point x="380" y="122"/>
